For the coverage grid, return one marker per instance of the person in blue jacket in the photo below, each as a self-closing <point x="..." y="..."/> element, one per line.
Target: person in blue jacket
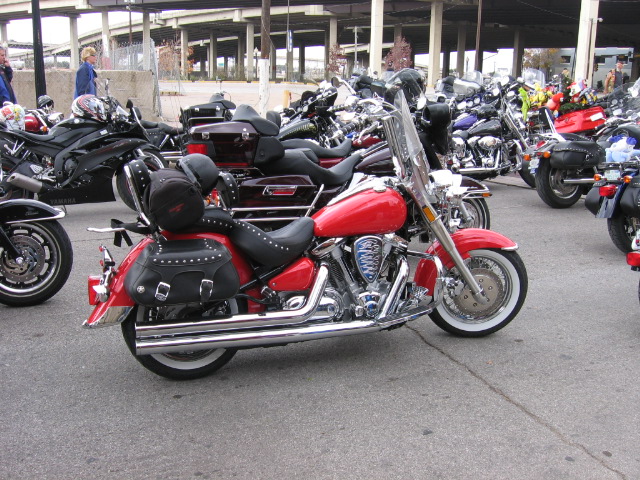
<point x="86" y="75"/>
<point x="6" y="75"/>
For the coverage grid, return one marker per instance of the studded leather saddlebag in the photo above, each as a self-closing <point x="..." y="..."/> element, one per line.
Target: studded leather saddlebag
<point x="576" y="154"/>
<point x="182" y="271"/>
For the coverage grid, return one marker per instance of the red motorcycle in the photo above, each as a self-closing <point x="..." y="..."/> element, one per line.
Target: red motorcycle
<point x="201" y="285"/>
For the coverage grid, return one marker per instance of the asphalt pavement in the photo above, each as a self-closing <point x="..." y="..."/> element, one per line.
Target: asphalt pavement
<point x="554" y="395"/>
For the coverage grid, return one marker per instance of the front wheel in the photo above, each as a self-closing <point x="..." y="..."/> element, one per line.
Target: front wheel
<point x="478" y="215"/>
<point x="503" y="277"/>
<point x="552" y="190"/>
<point x="153" y="160"/>
<point x="43" y="266"/>
<point x="187" y="365"/>
<point x="622" y="230"/>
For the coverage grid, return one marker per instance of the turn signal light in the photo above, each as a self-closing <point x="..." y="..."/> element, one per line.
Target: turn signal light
<point x="527" y="157"/>
<point x="608" y="191"/>
<point x="597" y="177"/>
<point x="546" y="154"/>
<point x="627" y="179"/>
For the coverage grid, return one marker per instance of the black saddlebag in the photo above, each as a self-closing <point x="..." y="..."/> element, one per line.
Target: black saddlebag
<point x="576" y="154"/>
<point x="630" y="200"/>
<point x="172" y="201"/>
<point x="592" y="200"/>
<point x="182" y="271"/>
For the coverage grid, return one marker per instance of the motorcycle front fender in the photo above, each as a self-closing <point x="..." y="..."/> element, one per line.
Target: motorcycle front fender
<point x="25" y="210"/>
<point x="465" y="240"/>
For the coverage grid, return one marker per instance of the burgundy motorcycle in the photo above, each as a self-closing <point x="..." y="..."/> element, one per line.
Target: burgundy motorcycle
<point x="201" y="285"/>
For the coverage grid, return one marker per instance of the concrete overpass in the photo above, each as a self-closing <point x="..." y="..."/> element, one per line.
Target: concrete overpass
<point x="430" y="25"/>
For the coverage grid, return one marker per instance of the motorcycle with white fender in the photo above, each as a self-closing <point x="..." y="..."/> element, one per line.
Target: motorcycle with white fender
<point x="201" y="285"/>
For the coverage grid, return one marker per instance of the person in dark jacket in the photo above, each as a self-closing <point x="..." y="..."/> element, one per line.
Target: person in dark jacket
<point x="6" y="75"/>
<point x="86" y="75"/>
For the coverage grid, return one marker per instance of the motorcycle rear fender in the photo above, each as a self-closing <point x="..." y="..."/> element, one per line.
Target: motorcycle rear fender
<point x="465" y="240"/>
<point x="89" y="161"/>
<point x="117" y="307"/>
<point x="25" y="210"/>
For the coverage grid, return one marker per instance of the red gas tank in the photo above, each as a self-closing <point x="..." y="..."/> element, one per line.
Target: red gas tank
<point x="31" y="123"/>
<point x="372" y="211"/>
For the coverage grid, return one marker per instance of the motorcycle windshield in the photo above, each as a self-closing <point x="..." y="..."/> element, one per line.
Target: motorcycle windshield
<point x="624" y="101"/>
<point x="412" y="167"/>
<point x="532" y="76"/>
<point x="407" y="80"/>
<point x="473" y="76"/>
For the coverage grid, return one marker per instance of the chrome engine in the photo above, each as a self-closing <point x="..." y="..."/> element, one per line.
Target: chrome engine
<point x="479" y="153"/>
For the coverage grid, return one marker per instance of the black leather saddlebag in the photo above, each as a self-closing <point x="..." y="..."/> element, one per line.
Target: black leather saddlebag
<point x="592" y="200"/>
<point x="172" y="201"/>
<point x="182" y="271"/>
<point x="576" y="154"/>
<point x="630" y="200"/>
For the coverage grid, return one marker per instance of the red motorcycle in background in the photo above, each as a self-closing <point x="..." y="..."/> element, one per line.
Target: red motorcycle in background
<point x="201" y="285"/>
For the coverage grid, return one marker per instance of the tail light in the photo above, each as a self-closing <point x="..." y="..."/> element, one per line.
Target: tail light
<point x="93" y="281"/>
<point x="633" y="259"/>
<point x="608" y="191"/>
<point x="197" y="148"/>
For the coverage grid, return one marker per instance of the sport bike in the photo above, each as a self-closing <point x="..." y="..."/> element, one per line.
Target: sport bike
<point x="195" y="290"/>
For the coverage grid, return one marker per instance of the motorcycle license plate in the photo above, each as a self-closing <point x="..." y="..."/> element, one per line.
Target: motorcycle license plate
<point x="533" y="164"/>
<point x="612" y="175"/>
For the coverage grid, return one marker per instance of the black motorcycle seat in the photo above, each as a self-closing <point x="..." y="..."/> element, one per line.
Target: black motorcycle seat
<point x="246" y="113"/>
<point x="577" y="154"/>
<point x="37" y="137"/>
<point x="295" y="162"/>
<point x="163" y="127"/>
<point x="276" y="248"/>
<point x="214" y="220"/>
<point x="341" y="150"/>
<point x="463" y="134"/>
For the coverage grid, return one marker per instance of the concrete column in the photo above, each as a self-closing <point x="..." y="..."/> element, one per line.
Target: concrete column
<point x="250" y="47"/>
<point x="462" y="49"/>
<point x="274" y="61"/>
<point x="184" y="52"/>
<point x="105" y="59"/>
<point x="4" y="38"/>
<point x="330" y="39"/>
<point x="435" y="42"/>
<point x="213" y="55"/>
<point x="240" y="58"/>
<point x="226" y="66"/>
<point x="518" y="52"/>
<point x="375" y="43"/>
<point x="289" y="64"/>
<point x="480" y="56"/>
<point x="146" y="41"/>
<point x="74" y="56"/>
<point x="446" y="61"/>
<point x="397" y="33"/>
<point x="587" y="29"/>
<point x="302" y="58"/>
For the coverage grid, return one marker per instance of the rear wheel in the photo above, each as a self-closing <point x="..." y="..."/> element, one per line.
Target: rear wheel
<point x="186" y="365"/>
<point x="526" y="175"/>
<point x="503" y="277"/>
<point x="622" y="230"/>
<point x="153" y="160"/>
<point x="552" y="190"/>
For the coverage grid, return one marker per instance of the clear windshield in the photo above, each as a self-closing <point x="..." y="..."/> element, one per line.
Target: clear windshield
<point x="411" y="163"/>
<point x="624" y="101"/>
<point x="473" y="76"/>
<point x="532" y="76"/>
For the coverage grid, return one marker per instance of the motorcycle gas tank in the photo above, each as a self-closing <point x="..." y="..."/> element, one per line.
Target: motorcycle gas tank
<point x="373" y="211"/>
<point x="72" y="129"/>
<point x="490" y="127"/>
<point x="464" y="122"/>
<point x="377" y="161"/>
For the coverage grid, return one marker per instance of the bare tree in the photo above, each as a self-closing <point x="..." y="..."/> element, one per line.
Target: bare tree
<point x="336" y="59"/>
<point x="540" y="58"/>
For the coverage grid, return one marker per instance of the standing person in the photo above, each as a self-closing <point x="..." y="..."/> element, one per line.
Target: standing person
<point x="86" y="75"/>
<point x="614" y="78"/>
<point x="6" y="75"/>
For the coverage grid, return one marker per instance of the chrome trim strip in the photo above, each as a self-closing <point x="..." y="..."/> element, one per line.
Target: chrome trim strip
<point x="112" y="316"/>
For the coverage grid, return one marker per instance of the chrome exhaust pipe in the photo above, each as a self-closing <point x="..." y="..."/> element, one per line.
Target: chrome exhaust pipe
<point x="578" y="181"/>
<point x="249" y="320"/>
<point x="472" y="170"/>
<point x="30" y="184"/>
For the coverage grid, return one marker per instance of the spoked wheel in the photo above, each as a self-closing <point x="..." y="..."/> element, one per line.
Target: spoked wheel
<point x="478" y="211"/>
<point x="153" y="160"/>
<point x="622" y="230"/>
<point x="43" y="267"/>
<point x="503" y="277"/>
<point x="552" y="190"/>
<point x="187" y="365"/>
